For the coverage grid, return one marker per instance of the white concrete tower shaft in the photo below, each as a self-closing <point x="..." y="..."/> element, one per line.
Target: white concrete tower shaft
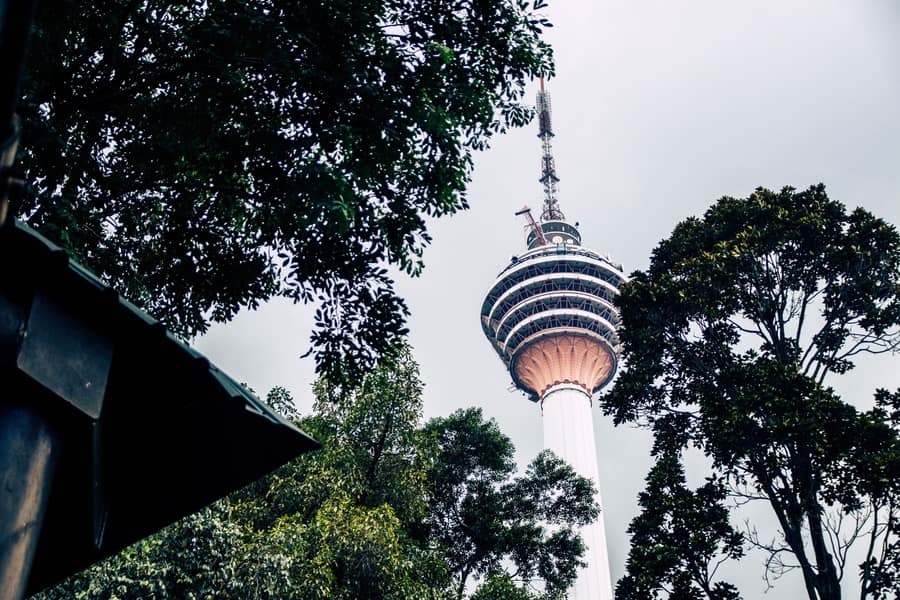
<point x="569" y="433"/>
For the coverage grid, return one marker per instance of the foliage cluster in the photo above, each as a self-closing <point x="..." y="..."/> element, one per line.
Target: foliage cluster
<point x="389" y="509"/>
<point x="205" y="156"/>
<point x="729" y="339"/>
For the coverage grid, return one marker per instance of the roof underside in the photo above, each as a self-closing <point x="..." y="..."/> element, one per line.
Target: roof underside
<point x="160" y="433"/>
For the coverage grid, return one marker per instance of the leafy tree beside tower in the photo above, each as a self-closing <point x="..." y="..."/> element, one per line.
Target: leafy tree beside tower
<point x="730" y="339"/>
<point x="203" y="157"/>
<point x="389" y="509"/>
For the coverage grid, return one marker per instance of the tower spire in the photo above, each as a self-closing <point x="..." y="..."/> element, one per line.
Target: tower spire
<point x="551" y="210"/>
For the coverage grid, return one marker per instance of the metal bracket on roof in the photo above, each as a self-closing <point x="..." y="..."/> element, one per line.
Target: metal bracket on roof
<point x="66" y="355"/>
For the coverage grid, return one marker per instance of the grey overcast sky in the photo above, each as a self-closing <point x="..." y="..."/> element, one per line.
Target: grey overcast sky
<point x="659" y="108"/>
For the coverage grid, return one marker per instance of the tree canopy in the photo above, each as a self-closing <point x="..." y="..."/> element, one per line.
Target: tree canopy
<point x="205" y="156"/>
<point x="484" y="518"/>
<point x="730" y="338"/>
<point x="389" y="509"/>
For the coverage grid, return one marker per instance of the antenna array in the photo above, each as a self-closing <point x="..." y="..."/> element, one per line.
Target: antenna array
<point x="549" y="178"/>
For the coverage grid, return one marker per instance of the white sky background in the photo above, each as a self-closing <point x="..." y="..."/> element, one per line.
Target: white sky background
<point x="660" y="107"/>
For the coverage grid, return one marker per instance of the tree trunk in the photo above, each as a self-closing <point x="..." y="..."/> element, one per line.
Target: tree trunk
<point x="827" y="583"/>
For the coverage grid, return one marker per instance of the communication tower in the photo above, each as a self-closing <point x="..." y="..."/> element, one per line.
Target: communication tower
<point x="550" y="317"/>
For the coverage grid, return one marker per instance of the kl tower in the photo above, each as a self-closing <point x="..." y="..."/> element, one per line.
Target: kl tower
<point x="550" y="317"/>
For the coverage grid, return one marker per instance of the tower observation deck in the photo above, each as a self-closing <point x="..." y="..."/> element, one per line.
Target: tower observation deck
<point x="550" y="317"/>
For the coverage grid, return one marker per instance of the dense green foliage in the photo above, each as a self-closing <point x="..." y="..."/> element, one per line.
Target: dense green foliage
<point x="679" y="538"/>
<point x="482" y="516"/>
<point x="204" y="156"/>
<point x="729" y="339"/>
<point x="389" y="509"/>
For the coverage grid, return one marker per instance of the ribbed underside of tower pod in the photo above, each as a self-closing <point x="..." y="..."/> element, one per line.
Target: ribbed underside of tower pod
<point x="564" y="358"/>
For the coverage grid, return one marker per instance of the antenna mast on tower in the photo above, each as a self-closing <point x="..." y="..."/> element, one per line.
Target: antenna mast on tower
<point x="551" y="210"/>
